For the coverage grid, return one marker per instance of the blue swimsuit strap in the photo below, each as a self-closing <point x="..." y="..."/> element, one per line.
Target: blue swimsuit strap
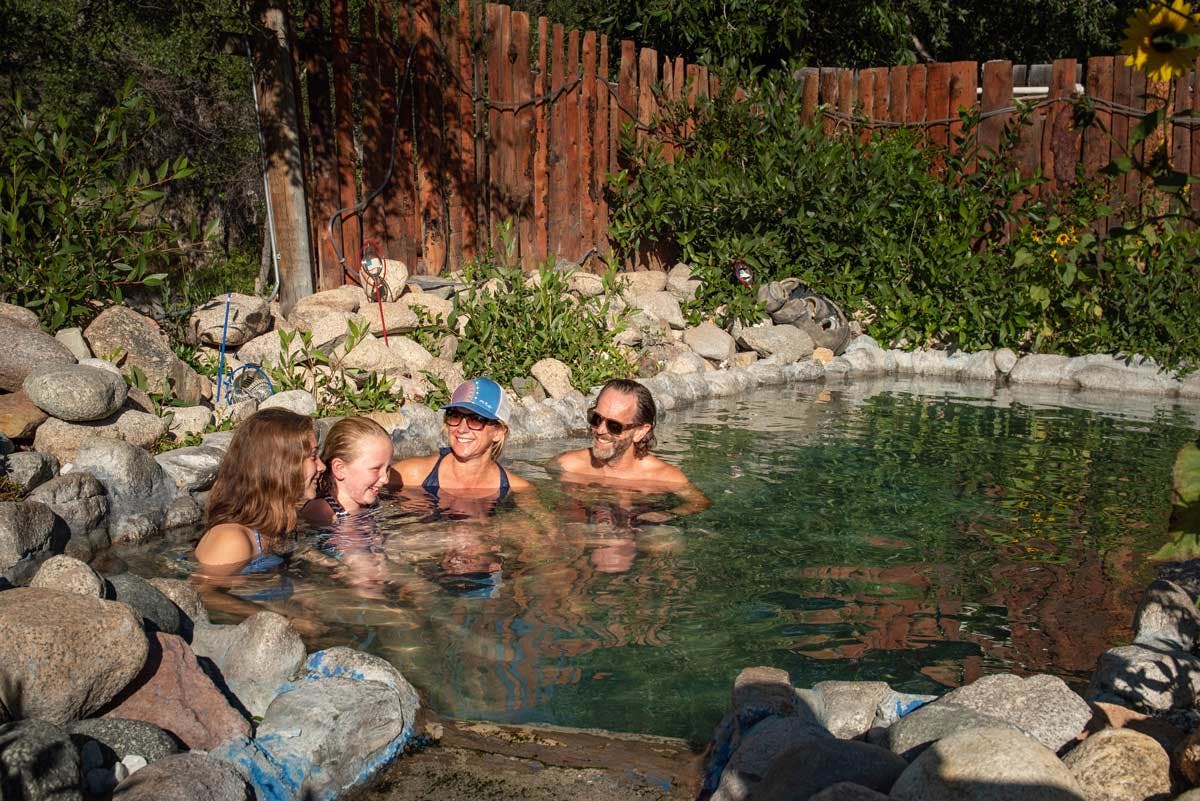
<point x="432" y="484"/>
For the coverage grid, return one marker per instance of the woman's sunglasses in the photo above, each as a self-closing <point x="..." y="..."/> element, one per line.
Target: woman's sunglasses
<point x="615" y="427"/>
<point x="474" y="421"/>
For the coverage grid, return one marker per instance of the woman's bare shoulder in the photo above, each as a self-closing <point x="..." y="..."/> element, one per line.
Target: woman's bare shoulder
<point x="226" y="544"/>
<point x="318" y="512"/>
<point x="413" y="470"/>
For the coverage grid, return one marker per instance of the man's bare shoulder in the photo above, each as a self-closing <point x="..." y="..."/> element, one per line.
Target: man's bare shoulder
<point x="578" y="461"/>
<point x="664" y="473"/>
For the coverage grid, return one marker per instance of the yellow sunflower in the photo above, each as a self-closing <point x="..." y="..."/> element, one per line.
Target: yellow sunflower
<point x="1157" y="39"/>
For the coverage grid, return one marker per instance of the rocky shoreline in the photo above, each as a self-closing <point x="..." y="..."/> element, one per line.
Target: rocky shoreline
<point x="105" y="678"/>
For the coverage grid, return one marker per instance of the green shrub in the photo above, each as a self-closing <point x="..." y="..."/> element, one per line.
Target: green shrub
<point x="516" y="319"/>
<point x="911" y="239"/>
<point x="80" y="227"/>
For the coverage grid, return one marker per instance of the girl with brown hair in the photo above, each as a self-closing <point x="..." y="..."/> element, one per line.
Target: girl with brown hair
<point x="272" y="467"/>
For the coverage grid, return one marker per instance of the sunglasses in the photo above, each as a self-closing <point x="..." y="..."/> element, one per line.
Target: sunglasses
<point x="474" y="421"/>
<point x="615" y="427"/>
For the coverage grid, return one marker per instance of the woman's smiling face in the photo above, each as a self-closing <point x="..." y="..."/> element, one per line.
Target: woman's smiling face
<point x="469" y="442"/>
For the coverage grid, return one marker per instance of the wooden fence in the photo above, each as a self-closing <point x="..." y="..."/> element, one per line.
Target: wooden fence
<point x="467" y="116"/>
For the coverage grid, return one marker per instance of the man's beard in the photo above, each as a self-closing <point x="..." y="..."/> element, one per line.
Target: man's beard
<point x="603" y="451"/>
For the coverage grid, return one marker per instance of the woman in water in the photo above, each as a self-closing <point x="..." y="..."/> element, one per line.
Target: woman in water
<point x="271" y="468"/>
<point x="466" y="477"/>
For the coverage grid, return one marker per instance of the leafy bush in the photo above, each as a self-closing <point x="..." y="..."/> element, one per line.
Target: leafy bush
<point x="337" y="389"/>
<point x="911" y="239"/>
<point x="80" y="227"/>
<point x="516" y="319"/>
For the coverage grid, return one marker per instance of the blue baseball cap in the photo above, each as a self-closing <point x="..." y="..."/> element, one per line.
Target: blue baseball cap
<point x="483" y="397"/>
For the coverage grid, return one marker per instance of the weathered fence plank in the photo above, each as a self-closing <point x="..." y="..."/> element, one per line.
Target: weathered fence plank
<point x="524" y="125"/>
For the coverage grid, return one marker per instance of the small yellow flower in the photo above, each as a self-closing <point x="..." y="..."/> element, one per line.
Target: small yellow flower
<point x="1036" y="235"/>
<point x="1155" y="39"/>
<point x="1063" y="239"/>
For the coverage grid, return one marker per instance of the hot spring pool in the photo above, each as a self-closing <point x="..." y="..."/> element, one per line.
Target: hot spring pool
<point x="919" y="534"/>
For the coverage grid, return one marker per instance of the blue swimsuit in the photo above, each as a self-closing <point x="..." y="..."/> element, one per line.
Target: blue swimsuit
<point x="267" y="563"/>
<point x="432" y="485"/>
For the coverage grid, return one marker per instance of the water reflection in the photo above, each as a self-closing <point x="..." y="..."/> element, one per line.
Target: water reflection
<point x="921" y="539"/>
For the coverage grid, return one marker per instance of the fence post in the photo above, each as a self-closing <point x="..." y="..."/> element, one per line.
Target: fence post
<point x="279" y="120"/>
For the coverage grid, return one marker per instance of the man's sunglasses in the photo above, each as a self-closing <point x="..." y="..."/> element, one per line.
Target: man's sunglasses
<point x="474" y="421"/>
<point x="615" y="427"/>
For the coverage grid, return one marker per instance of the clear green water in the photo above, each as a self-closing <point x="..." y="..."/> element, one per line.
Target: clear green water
<point x="912" y="534"/>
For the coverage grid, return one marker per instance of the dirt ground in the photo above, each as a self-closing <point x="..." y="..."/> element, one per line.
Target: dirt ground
<point x="480" y="761"/>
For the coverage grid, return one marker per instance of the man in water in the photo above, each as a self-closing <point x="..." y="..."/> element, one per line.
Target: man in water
<point x="622" y="426"/>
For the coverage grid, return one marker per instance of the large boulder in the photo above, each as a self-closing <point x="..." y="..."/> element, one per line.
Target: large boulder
<point x="758" y="748"/>
<point x="1042" y="368"/>
<point x="65" y="656"/>
<point x="294" y="400"/>
<point x="185" y="777"/>
<point x="76" y="393"/>
<point x="136" y="484"/>
<point x="38" y="763"/>
<point x="396" y="318"/>
<point x="681" y="284"/>
<point x="156" y="609"/>
<point x="345" y="298"/>
<point x="257" y="658"/>
<point x="987" y="765"/>
<point x="912" y="734"/>
<point x="785" y="342"/>
<point x="193" y="469"/>
<point x="660" y="305"/>
<point x="19" y="417"/>
<point x="641" y="282"/>
<point x="19" y="315"/>
<point x="554" y="376"/>
<point x="174" y="693"/>
<point x="1042" y="705"/>
<point x="1121" y="765"/>
<point x="29" y="534"/>
<point x="1148" y="678"/>
<point x="323" y="738"/>
<point x="25" y="350"/>
<point x="78" y="498"/>
<point x="28" y="470"/>
<point x="143" y="345"/>
<point x="267" y="350"/>
<point x="1167" y="616"/>
<point x="119" y="738"/>
<point x="248" y="317"/>
<point x="814" y="765"/>
<point x="64" y="574"/>
<point x="850" y="705"/>
<point x="710" y="342"/>
<point x="62" y="440"/>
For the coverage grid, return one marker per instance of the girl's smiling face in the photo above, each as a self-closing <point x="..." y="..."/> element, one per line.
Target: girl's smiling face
<point x="358" y="481"/>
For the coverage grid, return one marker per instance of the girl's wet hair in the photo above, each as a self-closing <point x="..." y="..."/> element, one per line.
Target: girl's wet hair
<point x="261" y="478"/>
<point x="345" y="441"/>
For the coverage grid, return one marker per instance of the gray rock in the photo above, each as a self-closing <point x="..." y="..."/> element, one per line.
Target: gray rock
<point x="234" y="413"/>
<point x="63" y="440"/>
<point x="710" y="342"/>
<point x="817" y="764"/>
<point x="848" y="791"/>
<point x="526" y="387"/>
<point x="38" y="763"/>
<point x="1041" y="368"/>
<point x="537" y="423"/>
<point x="758" y="748"/>
<point x="76" y="393"/>
<point x="893" y="706"/>
<point x="19" y="315"/>
<point x="25" y="350"/>
<point x="267" y="349"/>
<point x="342" y="662"/>
<point x="30" y="469"/>
<point x="137" y="485"/>
<point x="585" y="285"/>
<point x="345" y="298"/>
<point x="802" y="372"/>
<point x="861" y="361"/>
<point x="554" y="376"/>
<point x="248" y="317"/>
<point x="979" y="366"/>
<point x="188" y="420"/>
<point x="72" y="340"/>
<point x="1167" y="616"/>
<point x="1111" y="378"/>
<point x="65" y="656"/>
<point x="64" y="574"/>
<point x="658" y="305"/>
<point x="850" y="705"/>
<point x="1005" y="360"/>
<point x="182" y="512"/>
<point x="295" y="400"/>
<point x="192" y="469"/>
<point x="1042" y="705"/>
<point x="257" y="658"/>
<point x="686" y="363"/>
<point x="987" y="765"/>
<point x="28" y="531"/>
<point x="185" y="597"/>
<point x="144" y="346"/>
<point x="916" y="731"/>
<point x="155" y="608"/>
<point x="78" y="498"/>
<point x="119" y="738"/>
<point x="1147" y="678"/>
<point x="323" y="738"/>
<point x="107" y="366"/>
<point x="422" y="433"/>
<point x="397" y="318"/>
<point x="787" y="343"/>
<point x="1121" y="765"/>
<point x="641" y="282"/>
<point x="136" y="528"/>
<point x="185" y="777"/>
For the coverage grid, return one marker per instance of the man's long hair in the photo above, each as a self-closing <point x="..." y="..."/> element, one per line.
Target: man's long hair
<point x="647" y="412"/>
<point x="261" y="479"/>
